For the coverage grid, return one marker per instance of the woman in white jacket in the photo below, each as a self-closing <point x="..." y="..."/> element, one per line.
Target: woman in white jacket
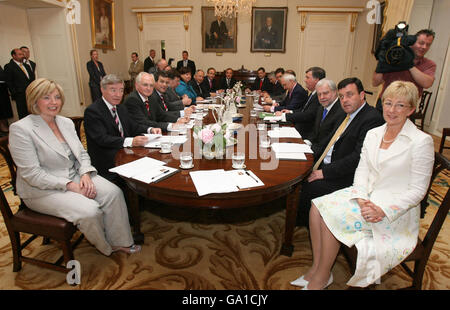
<point x="380" y="213"/>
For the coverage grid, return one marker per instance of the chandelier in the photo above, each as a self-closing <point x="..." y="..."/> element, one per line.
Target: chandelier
<point x="230" y="8"/>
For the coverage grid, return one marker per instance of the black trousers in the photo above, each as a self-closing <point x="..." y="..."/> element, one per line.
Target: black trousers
<point x="95" y="92"/>
<point x="21" y="103"/>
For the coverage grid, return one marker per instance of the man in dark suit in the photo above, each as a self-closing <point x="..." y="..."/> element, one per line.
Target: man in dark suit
<point x="19" y="76"/>
<point x="144" y="107"/>
<point x="267" y="37"/>
<point x="277" y="92"/>
<point x="218" y="33"/>
<point x="185" y="62"/>
<point x="261" y="83"/>
<point x="96" y="73"/>
<point x="209" y="82"/>
<point x="27" y="61"/>
<point x="228" y="80"/>
<point x="336" y="157"/>
<point x="149" y="62"/>
<point x="109" y="128"/>
<point x="5" y="104"/>
<point x="198" y="86"/>
<point x="304" y="118"/>
<point x="329" y="115"/>
<point x="295" y="99"/>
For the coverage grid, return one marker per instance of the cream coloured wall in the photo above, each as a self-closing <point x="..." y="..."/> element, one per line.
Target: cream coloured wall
<point x="363" y="62"/>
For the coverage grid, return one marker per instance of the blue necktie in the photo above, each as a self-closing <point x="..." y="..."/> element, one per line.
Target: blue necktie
<point x="325" y="111"/>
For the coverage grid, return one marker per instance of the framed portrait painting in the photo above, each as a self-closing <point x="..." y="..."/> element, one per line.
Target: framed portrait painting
<point x="269" y="29"/>
<point x="102" y="24"/>
<point x="218" y="34"/>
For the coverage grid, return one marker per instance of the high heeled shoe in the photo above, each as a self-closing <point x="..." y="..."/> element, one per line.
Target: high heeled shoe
<point x="300" y="282"/>
<point x="330" y="281"/>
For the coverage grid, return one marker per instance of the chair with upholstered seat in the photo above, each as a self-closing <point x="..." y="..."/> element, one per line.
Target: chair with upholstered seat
<point x="423" y="249"/>
<point x="422" y="109"/>
<point x="36" y="224"/>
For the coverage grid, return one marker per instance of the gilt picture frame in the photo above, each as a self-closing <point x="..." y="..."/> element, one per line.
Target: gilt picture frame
<point x="103" y="24"/>
<point x="219" y="35"/>
<point x="269" y="29"/>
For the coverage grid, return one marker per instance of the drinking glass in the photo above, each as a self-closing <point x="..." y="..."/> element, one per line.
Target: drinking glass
<point x="166" y="147"/>
<point x="238" y="160"/>
<point x="186" y="160"/>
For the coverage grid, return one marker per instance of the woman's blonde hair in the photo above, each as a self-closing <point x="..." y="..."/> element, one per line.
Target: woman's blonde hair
<point x="406" y="90"/>
<point x="38" y="89"/>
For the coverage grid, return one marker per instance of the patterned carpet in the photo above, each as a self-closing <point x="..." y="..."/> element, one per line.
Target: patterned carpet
<point x="187" y="249"/>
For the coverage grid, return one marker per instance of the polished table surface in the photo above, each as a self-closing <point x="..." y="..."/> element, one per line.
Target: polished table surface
<point x="281" y="178"/>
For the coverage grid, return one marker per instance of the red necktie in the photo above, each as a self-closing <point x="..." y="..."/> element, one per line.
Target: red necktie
<point x="210" y="83"/>
<point x="116" y="120"/>
<point x="164" y="103"/>
<point x="260" y="84"/>
<point x="147" y="106"/>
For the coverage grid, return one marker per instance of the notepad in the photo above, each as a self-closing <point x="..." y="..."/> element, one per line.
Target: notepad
<point x="244" y="178"/>
<point x="273" y="119"/>
<point x="155" y="174"/>
<point x="212" y="181"/>
<point x="284" y="132"/>
<point x="291" y="156"/>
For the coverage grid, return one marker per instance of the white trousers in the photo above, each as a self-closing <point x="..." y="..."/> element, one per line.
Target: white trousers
<point x="103" y="220"/>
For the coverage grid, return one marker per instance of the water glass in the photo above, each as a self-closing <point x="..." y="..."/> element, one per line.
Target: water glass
<point x="238" y="160"/>
<point x="253" y="113"/>
<point x="264" y="142"/>
<point x="261" y="126"/>
<point x="186" y="160"/>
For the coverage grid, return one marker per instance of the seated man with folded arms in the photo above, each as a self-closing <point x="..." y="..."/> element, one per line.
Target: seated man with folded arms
<point x="145" y="111"/>
<point x="175" y="101"/>
<point x="198" y="86"/>
<point x="295" y="99"/>
<point x="337" y="156"/>
<point x="109" y="127"/>
<point x="304" y="118"/>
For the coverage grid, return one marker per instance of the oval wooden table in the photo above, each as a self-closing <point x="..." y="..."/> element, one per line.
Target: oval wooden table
<point x="281" y="178"/>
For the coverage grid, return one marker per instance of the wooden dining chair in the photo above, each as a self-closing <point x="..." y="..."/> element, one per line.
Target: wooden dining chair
<point x="36" y="224"/>
<point x="423" y="248"/>
<point x="422" y="109"/>
<point x="77" y="120"/>
<point x="445" y="133"/>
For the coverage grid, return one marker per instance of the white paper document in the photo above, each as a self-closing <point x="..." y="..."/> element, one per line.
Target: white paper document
<point x="212" y="181"/>
<point x="244" y="178"/>
<point x="136" y="167"/>
<point x="273" y="119"/>
<point x="291" y="148"/>
<point x="154" y="174"/>
<point x="156" y="143"/>
<point x="284" y="132"/>
<point x="291" y="156"/>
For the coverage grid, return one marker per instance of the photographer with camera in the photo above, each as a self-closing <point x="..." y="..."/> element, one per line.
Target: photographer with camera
<point x="395" y="62"/>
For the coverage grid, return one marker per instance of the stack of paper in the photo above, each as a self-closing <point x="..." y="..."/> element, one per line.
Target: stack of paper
<point x="273" y="119"/>
<point x="284" y="132"/>
<point x="212" y="181"/>
<point x="258" y="107"/>
<point x="156" y="143"/>
<point x="145" y="169"/>
<point x="292" y="151"/>
<point x="221" y="181"/>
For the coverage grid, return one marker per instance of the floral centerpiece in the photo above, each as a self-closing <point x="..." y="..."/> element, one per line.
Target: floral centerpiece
<point x="213" y="139"/>
<point x="231" y="99"/>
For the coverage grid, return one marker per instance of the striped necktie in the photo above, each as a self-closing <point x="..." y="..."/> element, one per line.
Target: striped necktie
<point x="333" y="140"/>
<point x="163" y="102"/>
<point x="116" y="120"/>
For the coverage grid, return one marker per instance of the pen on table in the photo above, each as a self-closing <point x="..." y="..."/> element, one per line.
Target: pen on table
<point x="246" y="172"/>
<point x="156" y="176"/>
